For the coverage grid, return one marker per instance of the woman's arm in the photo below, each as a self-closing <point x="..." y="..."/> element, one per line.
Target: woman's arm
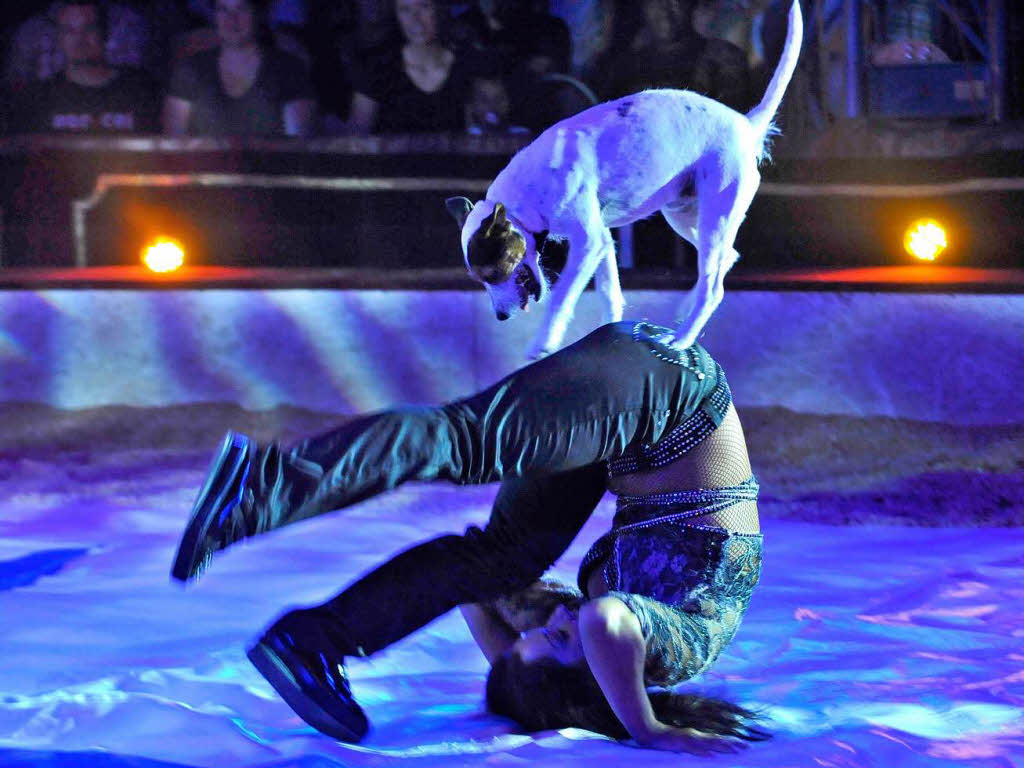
<point x="613" y="644"/>
<point x="492" y="634"/>
<point x="614" y="647"/>
<point x="532" y="607"/>
<point x="495" y="625"/>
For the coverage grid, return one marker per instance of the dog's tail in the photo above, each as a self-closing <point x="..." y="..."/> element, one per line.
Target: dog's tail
<point x="761" y="116"/>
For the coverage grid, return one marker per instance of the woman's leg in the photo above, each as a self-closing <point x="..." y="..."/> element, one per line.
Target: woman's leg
<point x="532" y="522"/>
<point x="579" y="406"/>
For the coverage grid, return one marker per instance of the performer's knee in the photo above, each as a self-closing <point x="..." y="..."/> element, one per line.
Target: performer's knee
<point x="510" y="562"/>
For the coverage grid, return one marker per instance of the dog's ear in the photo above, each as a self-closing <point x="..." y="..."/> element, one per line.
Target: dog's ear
<point x="496" y="224"/>
<point x="459" y="208"/>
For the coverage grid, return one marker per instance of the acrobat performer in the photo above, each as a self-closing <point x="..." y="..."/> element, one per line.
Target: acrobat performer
<point x="663" y="591"/>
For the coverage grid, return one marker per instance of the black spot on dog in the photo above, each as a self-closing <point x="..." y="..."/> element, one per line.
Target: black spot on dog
<point x="624" y="107"/>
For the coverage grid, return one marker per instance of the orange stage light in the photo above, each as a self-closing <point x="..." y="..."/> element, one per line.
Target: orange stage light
<point x="163" y="255"/>
<point x="925" y="239"/>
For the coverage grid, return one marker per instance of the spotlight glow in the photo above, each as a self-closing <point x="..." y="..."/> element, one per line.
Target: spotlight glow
<point x="925" y="239"/>
<point x="163" y="255"/>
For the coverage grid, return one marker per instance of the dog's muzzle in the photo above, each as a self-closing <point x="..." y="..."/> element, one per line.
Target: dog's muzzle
<point x="527" y="287"/>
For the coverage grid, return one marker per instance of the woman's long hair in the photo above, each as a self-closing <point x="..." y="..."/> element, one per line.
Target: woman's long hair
<point x="544" y="695"/>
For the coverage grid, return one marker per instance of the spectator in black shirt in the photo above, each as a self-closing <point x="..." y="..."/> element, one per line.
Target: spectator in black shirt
<point x="489" y="108"/>
<point x="527" y="47"/>
<point x="244" y="86"/>
<point x="667" y="52"/>
<point x="89" y="96"/>
<point x="417" y="86"/>
<point x="511" y="33"/>
<point x="31" y="52"/>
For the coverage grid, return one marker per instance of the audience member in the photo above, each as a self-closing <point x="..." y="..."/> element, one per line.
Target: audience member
<point x="514" y="35"/>
<point x="613" y="30"/>
<point x="909" y="35"/>
<point x="332" y="37"/>
<point x="128" y="35"/>
<point x="143" y="33"/>
<point x="414" y="86"/>
<point x="245" y="85"/>
<point x="586" y="21"/>
<point x="282" y="24"/>
<point x="729" y="20"/>
<point x="489" y="108"/>
<point x="722" y="69"/>
<point x="526" y="45"/>
<point x="668" y="52"/>
<point x="88" y="95"/>
<point x="32" y="53"/>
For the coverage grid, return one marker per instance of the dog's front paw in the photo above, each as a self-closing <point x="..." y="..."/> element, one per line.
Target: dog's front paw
<point x="681" y="338"/>
<point x="538" y="351"/>
<point x="547" y="341"/>
<point x="612" y="311"/>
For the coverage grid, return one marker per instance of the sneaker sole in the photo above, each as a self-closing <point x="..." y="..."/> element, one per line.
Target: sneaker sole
<point x="268" y="661"/>
<point x="222" y="491"/>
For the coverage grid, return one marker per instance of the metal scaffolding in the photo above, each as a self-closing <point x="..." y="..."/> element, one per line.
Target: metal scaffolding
<point x="989" y="41"/>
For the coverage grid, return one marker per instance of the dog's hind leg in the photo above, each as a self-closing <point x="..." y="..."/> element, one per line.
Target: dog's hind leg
<point x="683" y="220"/>
<point x="721" y="210"/>
<point x="682" y="217"/>
<point x="606" y="281"/>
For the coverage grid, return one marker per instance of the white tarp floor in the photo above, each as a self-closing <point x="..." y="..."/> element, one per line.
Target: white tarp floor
<point x="865" y="645"/>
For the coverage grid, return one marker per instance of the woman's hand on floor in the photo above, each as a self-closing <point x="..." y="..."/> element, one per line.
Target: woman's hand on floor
<point x="672" y="739"/>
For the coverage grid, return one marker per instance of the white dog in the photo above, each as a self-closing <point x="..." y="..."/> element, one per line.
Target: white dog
<point x="686" y="155"/>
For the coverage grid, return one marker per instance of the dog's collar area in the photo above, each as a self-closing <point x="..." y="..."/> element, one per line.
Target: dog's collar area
<point x="527" y="285"/>
<point x="521" y="226"/>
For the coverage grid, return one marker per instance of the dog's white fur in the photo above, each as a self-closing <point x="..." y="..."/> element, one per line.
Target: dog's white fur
<point x="690" y="157"/>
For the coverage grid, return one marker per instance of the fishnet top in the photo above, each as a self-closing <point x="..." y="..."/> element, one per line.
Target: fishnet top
<point x="684" y="561"/>
<point x="718" y="461"/>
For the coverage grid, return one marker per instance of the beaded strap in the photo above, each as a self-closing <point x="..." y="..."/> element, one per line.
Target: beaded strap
<point x="677" y="443"/>
<point x="665" y="509"/>
<point x="687" y="358"/>
<point x="704" y="500"/>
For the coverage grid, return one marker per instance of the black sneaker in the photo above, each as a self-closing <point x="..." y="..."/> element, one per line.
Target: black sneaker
<point x="219" y="518"/>
<point x="309" y="675"/>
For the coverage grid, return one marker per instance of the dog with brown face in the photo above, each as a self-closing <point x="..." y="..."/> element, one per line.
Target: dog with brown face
<point x="677" y="152"/>
<point x="496" y="255"/>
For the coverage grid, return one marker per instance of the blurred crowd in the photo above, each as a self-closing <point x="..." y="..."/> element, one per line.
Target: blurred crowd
<point x="341" y="67"/>
<point x="356" y="67"/>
